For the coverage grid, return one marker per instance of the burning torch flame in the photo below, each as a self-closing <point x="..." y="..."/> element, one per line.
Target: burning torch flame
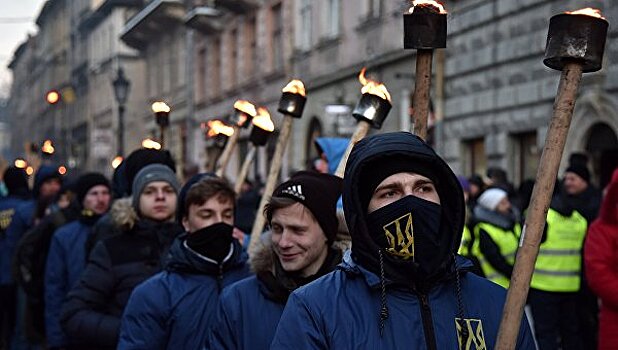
<point x="47" y="147"/>
<point x="245" y="107"/>
<point x="588" y="11"/>
<point x="263" y="121"/>
<point x="62" y="170"/>
<point x="296" y="87"/>
<point x="427" y="3"/>
<point x="116" y="162"/>
<point x="20" y="163"/>
<point x="160" y="107"/>
<point x="29" y="170"/>
<point x="151" y="144"/>
<point x="217" y="127"/>
<point x="373" y="87"/>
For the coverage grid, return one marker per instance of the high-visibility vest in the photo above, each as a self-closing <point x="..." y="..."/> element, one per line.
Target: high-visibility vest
<point x="466" y="239"/>
<point x="507" y="242"/>
<point x="558" y="265"/>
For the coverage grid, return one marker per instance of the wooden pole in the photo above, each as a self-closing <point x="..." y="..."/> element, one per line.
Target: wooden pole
<point x="361" y="131"/>
<point x="227" y="151"/>
<point x="420" y="100"/>
<point x="537" y="213"/>
<point x="271" y="181"/>
<point x="245" y="169"/>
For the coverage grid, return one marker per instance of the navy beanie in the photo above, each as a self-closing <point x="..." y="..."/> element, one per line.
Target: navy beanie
<point x="16" y="181"/>
<point x="87" y="181"/>
<point x="182" y="196"/>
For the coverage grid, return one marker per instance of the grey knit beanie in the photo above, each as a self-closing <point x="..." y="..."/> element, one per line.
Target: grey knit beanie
<point x="151" y="173"/>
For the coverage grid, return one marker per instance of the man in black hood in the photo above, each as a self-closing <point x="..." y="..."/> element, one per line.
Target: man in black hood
<point x="402" y="286"/>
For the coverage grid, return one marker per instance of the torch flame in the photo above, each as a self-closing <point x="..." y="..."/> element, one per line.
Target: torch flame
<point x="263" y="121"/>
<point x="159" y="107"/>
<point x="62" y="170"/>
<point x="151" y="144"/>
<point x="373" y="87"/>
<point x="588" y="11"/>
<point x="245" y="107"/>
<point x="47" y="147"/>
<point x="427" y="3"/>
<point x="217" y="127"/>
<point x="296" y="87"/>
<point x="29" y="170"/>
<point x="20" y="163"/>
<point x="116" y="162"/>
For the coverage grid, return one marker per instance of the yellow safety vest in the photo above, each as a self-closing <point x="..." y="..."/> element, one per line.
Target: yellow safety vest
<point x="507" y="242"/>
<point x="558" y="265"/>
<point x="466" y="238"/>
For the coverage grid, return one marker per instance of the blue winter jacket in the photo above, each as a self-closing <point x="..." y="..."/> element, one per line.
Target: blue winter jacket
<point x="11" y="229"/>
<point x="342" y="311"/>
<point x="174" y="308"/>
<point x="65" y="262"/>
<point x="333" y="149"/>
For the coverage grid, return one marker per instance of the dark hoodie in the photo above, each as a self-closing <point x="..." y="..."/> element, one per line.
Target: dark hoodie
<point x="374" y="301"/>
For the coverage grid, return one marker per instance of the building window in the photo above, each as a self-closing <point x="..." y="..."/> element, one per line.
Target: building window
<point x="526" y="157"/>
<point x="277" y="36"/>
<point x="233" y="63"/>
<point x="476" y="158"/>
<point x="372" y="8"/>
<point x="305" y="14"/>
<point x="251" y="44"/>
<point x="331" y="16"/>
<point x="215" y="72"/>
<point x="201" y="74"/>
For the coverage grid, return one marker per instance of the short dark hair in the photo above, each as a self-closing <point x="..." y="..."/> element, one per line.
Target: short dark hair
<point x="208" y="188"/>
<point x="276" y="203"/>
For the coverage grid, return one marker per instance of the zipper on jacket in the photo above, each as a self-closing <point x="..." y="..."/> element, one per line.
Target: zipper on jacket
<point x="220" y="277"/>
<point x="430" y="334"/>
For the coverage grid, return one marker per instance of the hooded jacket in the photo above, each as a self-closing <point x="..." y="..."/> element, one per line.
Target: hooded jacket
<point x="249" y="310"/>
<point x="174" y="309"/>
<point x="91" y="315"/>
<point x="374" y="301"/>
<point x="333" y="149"/>
<point x="601" y="259"/>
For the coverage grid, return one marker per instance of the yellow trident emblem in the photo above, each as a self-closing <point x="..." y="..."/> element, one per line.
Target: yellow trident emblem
<point x="476" y="337"/>
<point x="400" y="236"/>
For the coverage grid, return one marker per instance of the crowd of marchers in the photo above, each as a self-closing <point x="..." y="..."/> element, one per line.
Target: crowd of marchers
<point x="400" y="253"/>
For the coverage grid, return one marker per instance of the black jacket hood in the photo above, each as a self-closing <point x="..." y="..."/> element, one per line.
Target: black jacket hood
<point x="383" y="146"/>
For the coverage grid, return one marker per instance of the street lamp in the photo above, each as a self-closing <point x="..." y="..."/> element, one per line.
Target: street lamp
<point x="162" y="115"/>
<point x="121" y="91"/>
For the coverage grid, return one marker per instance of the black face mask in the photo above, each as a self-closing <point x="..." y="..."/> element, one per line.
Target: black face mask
<point x="409" y="230"/>
<point x="213" y="241"/>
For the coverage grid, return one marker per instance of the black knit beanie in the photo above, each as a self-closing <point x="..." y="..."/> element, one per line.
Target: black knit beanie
<point x="16" y="181"/>
<point x="319" y="193"/>
<point x="87" y="181"/>
<point x="579" y="170"/>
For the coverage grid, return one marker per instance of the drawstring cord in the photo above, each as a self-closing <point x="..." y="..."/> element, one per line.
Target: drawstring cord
<point x="384" y="307"/>
<point x="460" y="309"/>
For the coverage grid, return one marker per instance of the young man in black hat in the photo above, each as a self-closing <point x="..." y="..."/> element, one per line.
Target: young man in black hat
<point x="303" y="221"/>
<point x="401" y="286"/>
<point x="67" y="253"/>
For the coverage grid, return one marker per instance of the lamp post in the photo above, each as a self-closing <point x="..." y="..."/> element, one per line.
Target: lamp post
<point x="162" y="115"/>
<point x="121" y="92"/>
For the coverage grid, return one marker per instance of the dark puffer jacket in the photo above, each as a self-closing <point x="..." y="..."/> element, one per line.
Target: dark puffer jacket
<point x="249" y="310"/>
<point x="174" y="309"/>
<point x="91" y="315"/>
<point x="376" y="301"/>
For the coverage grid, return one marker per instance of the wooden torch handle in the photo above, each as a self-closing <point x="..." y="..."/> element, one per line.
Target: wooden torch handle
<point x="271" y="181"/>
<point x="245" y="169"/>
<point x="420" y="100"/>
<point x="537" y="213"/>
<point x="361" y="131"/>
<point x="227" y="151"/>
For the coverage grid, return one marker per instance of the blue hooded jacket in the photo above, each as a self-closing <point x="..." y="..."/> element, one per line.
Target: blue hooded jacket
<point x="65" y="262"/>
<point x="376" y="301"/>
<point x="9" y="228"/>
<point x="174" y="309"/>
<point x="333" y="148"/>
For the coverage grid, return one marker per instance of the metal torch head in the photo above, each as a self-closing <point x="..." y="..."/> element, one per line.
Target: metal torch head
<point x="259" y="136"/>
<point x="292" y="104"/>
<point x="162" y="119"/>
<point x="424" y="29"/>
<point x="579" y="38"/>
<point x="373" y="109"/>
<point x="239" y="118"/>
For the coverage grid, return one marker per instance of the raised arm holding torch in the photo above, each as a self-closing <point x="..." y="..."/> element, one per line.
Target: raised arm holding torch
<point x="291" y="105"/>
<point x="263" y="127"/>
<point x="575" y="44"/>
<point x="244" y="111"/>
<point x="424" y="30"/>
<point x="370" y="111"/>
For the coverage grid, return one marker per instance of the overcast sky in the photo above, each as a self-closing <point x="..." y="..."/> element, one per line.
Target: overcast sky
<point x="16" y="21"/>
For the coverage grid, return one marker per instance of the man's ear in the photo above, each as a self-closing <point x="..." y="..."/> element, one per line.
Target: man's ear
<point x="185" y="223"/>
